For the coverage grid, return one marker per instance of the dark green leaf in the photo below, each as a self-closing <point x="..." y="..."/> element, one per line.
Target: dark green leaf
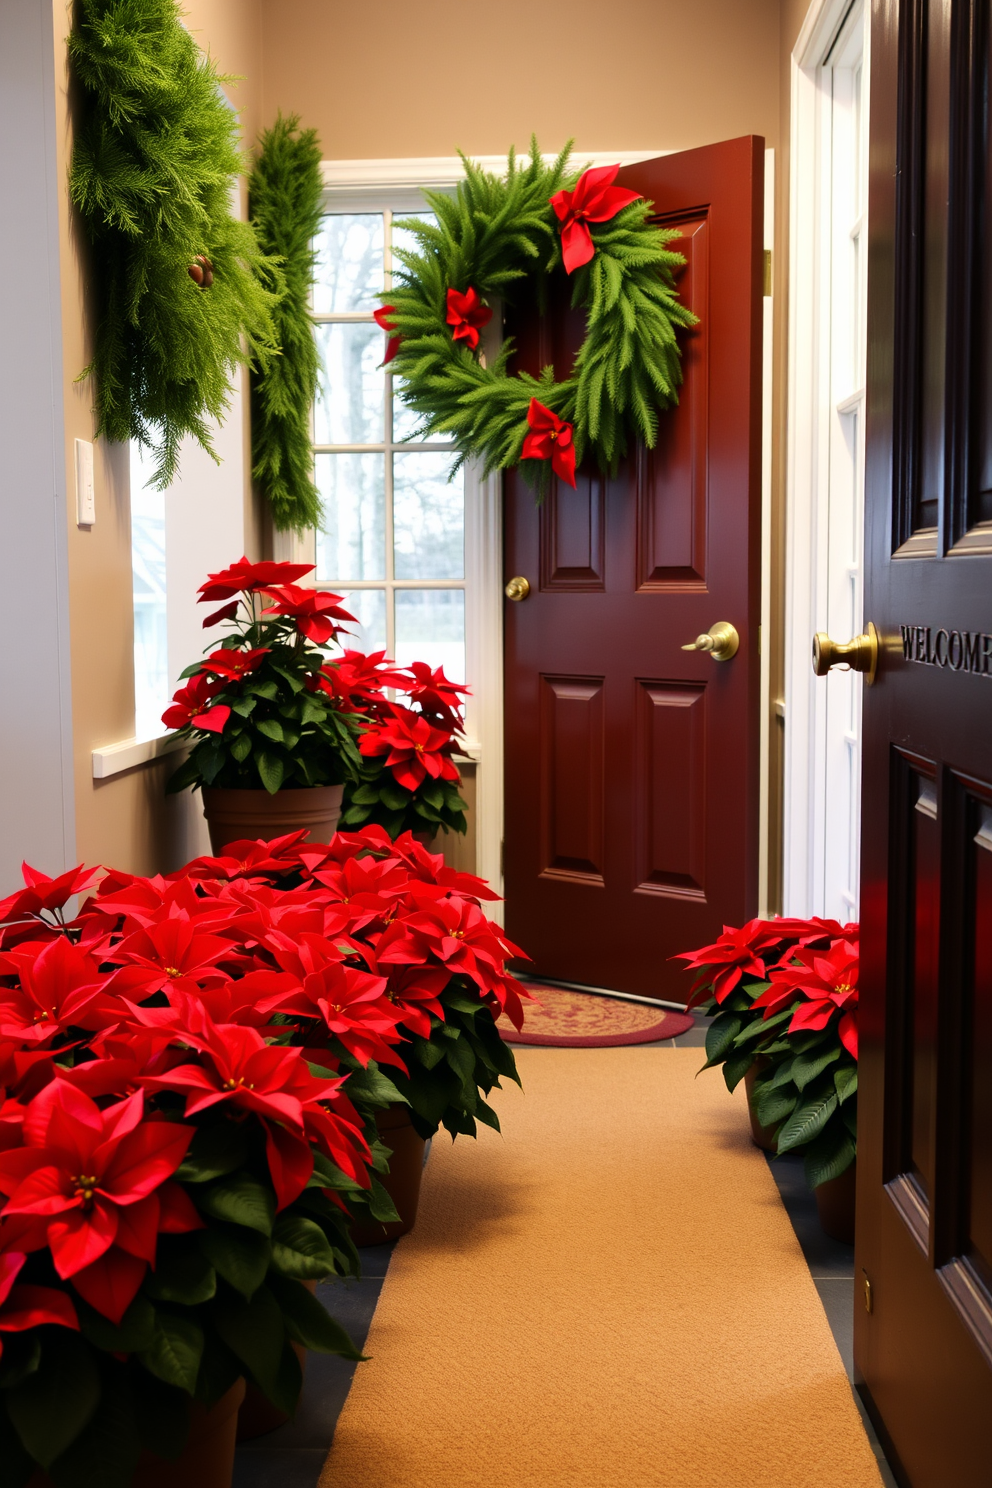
<point x="240" y="1200"/>
<point x="16" y="1466"/>
<point x="309" y="1322"/>
<point x="271" y="728"/>
<point x="845" y="1081"/>
<point x="736" y="1067"/>
<point x="806" y="1067"/>
<point x="807" y="1121"/>
<point x="106" y="1452"/>
<point x="175" y="1352"/>
<point x="720" y="1037"/>
<point x="53" y="1405"/>
<point x="214" y="1152"/>
<point x="830" y="1155"/>
<point x="300" y="1249"/>
<point x="271" y="770"/>
<point x="373" y="1087"/>
<point x="135" y="1330"/>
<point x="238" y="1254"/>
<point x="186" y="1277"/>
<point x="255" y="1332"/>
<point x="774" y="1105"/>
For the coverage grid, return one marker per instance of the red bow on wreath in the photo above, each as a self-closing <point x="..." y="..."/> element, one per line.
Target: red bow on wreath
<point x="393" y="344"/>
<point x="550" y="436"/>
<point x="468" y="315"/>
<point x="593" y="199"/>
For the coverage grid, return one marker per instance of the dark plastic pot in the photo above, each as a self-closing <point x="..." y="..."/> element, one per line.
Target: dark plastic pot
<point x="761" y="1136"/>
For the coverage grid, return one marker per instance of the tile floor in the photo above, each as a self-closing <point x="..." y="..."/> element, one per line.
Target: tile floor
<point x="293" y="1456"/>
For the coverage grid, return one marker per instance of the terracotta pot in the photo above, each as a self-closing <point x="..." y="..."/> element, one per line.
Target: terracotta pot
<point x="235" y="815"/>
<point x="835" y="1204"/>
<point x="258" y="1416"/>
<point x="402" y="1182"/>
<point x="207" y="1460"/>
<point x="761" y="1136"/>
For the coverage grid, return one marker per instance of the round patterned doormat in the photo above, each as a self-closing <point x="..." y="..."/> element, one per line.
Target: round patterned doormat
<point x="583" y="1020"/>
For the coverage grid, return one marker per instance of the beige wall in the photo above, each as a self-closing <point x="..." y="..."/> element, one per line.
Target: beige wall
<point x="425" y="77"/>
<point x="125" y="820"/>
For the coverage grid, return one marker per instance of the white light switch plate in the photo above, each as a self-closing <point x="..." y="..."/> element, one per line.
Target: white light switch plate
<point x="85" y="498"/>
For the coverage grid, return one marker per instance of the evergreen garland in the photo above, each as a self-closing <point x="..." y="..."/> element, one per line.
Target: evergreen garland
<point x="492" y="236"/>
<point x="154" y="164"/>
<point x="285" y="197"/>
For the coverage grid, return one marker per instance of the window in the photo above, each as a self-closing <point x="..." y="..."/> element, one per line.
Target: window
<point x="393" y="530"/>
<point x="151" y="661"/>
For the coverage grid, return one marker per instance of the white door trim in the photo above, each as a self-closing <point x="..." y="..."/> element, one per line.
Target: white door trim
<point x="807" y="452"/>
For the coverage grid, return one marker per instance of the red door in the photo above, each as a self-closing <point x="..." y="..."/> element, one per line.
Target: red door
<point x="923" y="1330"/>
<point x="631" y="764"/>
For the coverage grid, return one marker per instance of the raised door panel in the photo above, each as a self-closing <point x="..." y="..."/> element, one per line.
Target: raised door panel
<point x="670" y="805"/>
<point x="572" y="781"/>
<point x="670" y="481"/>
<point x="573" y="535"/>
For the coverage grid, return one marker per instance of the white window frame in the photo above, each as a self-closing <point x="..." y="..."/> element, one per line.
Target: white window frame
<point x="811" y="420"/>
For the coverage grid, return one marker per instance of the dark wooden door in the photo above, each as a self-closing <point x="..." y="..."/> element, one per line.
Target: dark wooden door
<point x="632" y="765"/>
<point x="924" y="1350"/>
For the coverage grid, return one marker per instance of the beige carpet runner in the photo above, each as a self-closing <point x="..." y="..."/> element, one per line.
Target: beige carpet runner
<point x="610" y="1295"/>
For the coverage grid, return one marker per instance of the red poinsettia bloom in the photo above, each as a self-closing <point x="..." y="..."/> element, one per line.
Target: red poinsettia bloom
<point x="43" y="893"/>
<point x="23" y="1306"/>
<point x="248" y="578"/>
<point x="314" y="610"/>
<point x="357" y="680"/>
<point x="353" y="1007"/>
<point x="412" y="748"/>
<point x="550" y="438"/>
<point x="239" y="1069"/>
<point x="61" y="987"/>
<point x="382" y="320"/>
<point x="734" y="954"/>
<point x="436" y="693"/>
<point x="95" y="1180"/>
<point x="453" y="932"/>
<point x="232" y="664"/>
<point x="467" y="316"/>
<point x="594" y="198"/>
<point x="175" y="952"/>
<point x="191" y="705"/>
<point x="827" y="983"/>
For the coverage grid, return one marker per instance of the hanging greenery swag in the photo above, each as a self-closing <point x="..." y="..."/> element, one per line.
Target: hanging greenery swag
<point x="285" y="204"/>
<point x="490" y="239"/>
<point x="184" y="293"/>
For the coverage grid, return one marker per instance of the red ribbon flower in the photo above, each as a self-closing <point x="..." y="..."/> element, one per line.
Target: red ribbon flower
<point x="467" y="315"/>
<point x="550" y="438"/>
<point x="594" y="198"/>
<point x="381" y="318"/>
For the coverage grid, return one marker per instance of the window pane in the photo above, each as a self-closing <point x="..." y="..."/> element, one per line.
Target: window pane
<point x="369" y="608"/>
<point x="428" y="517"/>
<point x="406" y="423"/>
<point x="349" y="263"/>
<point x="352" y="541"/>
<point x="430" y="626"/>
<point x="351" y="391"/>
<point x="151" y="661"/>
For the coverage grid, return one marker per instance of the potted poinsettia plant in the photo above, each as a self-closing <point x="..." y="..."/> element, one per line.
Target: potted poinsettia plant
<point x="377" y="959"/>
<point x="172" y="1175"/>
<point x="272" y="745"/>
<point x="408" y="780"/>
<point x="783" y="998"/>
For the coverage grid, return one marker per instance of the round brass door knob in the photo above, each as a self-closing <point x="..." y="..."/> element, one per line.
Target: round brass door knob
<point x="861" y="654"/>
<point x="517" y="588"/>
<point x="721" y="641"/>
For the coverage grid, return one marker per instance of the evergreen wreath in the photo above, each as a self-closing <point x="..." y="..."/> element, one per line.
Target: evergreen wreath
<point x="490" y="238"/>
<point x="184" y="294"/>
<point x="285" y="203"/>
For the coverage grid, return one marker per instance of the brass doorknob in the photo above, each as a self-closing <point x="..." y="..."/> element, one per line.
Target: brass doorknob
<point x="517" y="588"/>
<point x="721" y="641"/>
<point x="861" y="654"/>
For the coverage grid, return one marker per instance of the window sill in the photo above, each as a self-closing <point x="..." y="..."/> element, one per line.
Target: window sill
<point x="114" y="759"/>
